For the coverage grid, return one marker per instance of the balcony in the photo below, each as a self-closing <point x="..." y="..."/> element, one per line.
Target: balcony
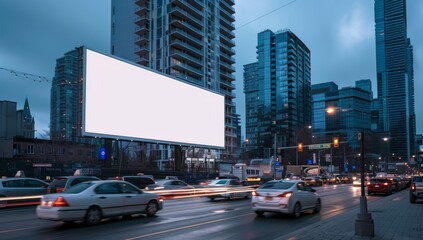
<point x="224" y="22"/>
<point x="194" y="11"/>
<point x="141" y="10"/>
<point x="142" y="2"/>
<point x="142" y="21"/>
<point x="183" y="67"/>
<point x="142" y="50"/>
<point x="184" y="57"/>
<point x="227" y="7"/>
<point x="182" y="14"/>
<point x="178" y="33"/>
<point x="196" y="32"/>
<point x="226" y="32"/>
<point x="227" y="67"/>
<point x="141" y="40"/>
<point x="179" y="44"/>
<point x="141" y="30"/>
<point x="227" y="84"/>
<point x="227" y="15"/>
<point x="227" y="76"/>
<point x="227" y="41"/>
<point x="227" y="58"/>
<point x="226" y="49"/>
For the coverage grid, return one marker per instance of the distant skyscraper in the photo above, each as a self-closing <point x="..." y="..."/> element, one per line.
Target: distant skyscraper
<point x="277" y="92"/>
<point x="66" y="97"/>
<point x="188" y="39"/>
<point x="395" y="80"/>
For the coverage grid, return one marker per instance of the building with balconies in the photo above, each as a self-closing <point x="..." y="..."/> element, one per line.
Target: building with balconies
<point x="189" y="39"/>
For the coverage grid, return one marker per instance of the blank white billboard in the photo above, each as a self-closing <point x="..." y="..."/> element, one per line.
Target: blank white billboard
<point x="125" y="101"/>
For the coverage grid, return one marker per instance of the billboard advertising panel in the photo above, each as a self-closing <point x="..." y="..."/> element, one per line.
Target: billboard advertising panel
<point x="125" y="101"/>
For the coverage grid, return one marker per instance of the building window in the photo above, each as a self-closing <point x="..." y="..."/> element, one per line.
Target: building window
<point x="42" y="150"/>
<point x="30" y="149"/>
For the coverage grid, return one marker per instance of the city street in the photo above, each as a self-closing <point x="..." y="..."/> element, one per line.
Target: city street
<point x="191" y="218"/>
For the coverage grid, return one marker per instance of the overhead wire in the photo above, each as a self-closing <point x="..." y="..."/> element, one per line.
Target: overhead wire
<point x="285" y="5"/>
<point x="30" y="76"/>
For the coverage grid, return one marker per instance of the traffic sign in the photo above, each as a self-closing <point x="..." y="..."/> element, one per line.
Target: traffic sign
<point x="319" y="146"/>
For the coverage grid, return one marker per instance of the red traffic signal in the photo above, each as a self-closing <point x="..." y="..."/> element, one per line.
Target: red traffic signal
<point x="335" y="142"/>
<point x="300" y="147"/>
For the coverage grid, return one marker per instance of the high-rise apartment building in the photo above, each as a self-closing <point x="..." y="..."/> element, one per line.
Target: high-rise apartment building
<point x="395" y="80"/>
<point x="66" y="97"/>
<point x="277" y="93"/>
<point x="191" y="40"/>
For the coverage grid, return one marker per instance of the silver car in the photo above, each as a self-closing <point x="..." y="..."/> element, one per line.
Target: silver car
<point x="92" y="201"/>
<point x="285" y="196"/>
<point x="19" y="187"/>
<point x="228" y="188"/>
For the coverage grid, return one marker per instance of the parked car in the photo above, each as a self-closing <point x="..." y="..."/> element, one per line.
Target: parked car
<point x="21" y="186"/>
<point x="60" y="184"/>
<point x="380" y="185"/>
<point x="285" y="196"/>
<point x="416" y="188"/>
<point x="228" y="188"/>
<point x="94" y="200"/>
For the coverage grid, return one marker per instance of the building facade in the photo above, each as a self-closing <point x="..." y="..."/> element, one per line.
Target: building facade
<point x="395" y="80"/>
<point x="189" y="39"/>
<point x="341" y="113"/>
<point x="66" y="97"/>
<point x="277" y="93"/>
<point x="15" y="122"/>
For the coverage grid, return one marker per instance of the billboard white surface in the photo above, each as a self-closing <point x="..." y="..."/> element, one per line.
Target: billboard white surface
<point x="125" y="101"/>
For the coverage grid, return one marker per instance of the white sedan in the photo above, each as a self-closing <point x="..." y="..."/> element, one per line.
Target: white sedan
<point x="228" y="188"/>
<point x="285" y="196"/>
<point x="92" y="201"/>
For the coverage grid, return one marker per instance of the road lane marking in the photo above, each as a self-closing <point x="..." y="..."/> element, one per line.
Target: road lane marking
<point x="17" y="229"/>
<point x="186" y="227"/>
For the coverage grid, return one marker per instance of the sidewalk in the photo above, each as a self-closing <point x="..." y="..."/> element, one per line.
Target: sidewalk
<point x="394" y="218"/>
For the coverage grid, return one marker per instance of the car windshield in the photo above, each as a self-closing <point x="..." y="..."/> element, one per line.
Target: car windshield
<point x="79" y="187"/>
<point x="277" y="185"/>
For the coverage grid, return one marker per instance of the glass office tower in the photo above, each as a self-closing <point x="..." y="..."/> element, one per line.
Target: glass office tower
<point x="278" y="93"/>
<point x="395" y="80"/>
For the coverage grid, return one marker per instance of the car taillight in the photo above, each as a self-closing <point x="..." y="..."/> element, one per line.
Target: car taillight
<point x="59" y="190"/>
<point x="286" y="194"/>
<point x="254" y="193"/>
<point x="413" y="187"/>
<point x="60" y="202"/>
<point x="385" y="184"/>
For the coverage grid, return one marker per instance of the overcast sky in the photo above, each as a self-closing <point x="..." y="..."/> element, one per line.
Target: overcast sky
<point x="339" y="34"/>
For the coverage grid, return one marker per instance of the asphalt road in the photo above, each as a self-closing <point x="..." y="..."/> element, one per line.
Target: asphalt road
<point x="191" y="218"/>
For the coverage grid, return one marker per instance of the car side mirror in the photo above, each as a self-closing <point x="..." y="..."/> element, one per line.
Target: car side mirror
<point x="312" y="190"/>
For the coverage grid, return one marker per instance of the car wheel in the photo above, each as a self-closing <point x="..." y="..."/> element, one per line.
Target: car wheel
<point x="318" y="206"/>
<point x="3" y="203"/>
<point x="259" y="213"/>
<point x="412" y="198"/>
<point x="231" y="196"/>
<point x="212" y="199"/>
<point x="93" y="216"/>
<point x="297" y="210"/>
<point x="151" y="209"/>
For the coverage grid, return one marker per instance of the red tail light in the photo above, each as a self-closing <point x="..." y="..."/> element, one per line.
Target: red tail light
<point x="60" y="202"/>
<point x="59" y="190"/>
<point x="254" y="193"/>
<point x="286" y="194"/>
<point x="413" y="187"/>
<point x="385" y="184"/>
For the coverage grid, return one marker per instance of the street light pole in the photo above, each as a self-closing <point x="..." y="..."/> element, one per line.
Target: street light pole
<point x="364" y="225"/>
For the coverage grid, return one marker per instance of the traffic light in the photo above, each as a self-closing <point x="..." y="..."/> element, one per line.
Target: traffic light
<point x="300" y="147"/>
<point x="335" y="142"/>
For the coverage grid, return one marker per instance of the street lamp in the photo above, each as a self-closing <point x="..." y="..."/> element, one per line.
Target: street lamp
<point x="296" y="141"/>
